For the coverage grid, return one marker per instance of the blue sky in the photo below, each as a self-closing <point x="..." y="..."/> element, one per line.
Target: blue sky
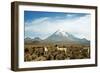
<point x="43" y="24"/>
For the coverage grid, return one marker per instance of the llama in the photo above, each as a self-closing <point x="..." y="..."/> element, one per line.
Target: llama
<point x="62" y="49"/>
<point x="45" y="49"/>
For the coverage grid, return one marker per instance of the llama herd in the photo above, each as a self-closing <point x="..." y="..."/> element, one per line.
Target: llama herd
<point x="58" y="48"/>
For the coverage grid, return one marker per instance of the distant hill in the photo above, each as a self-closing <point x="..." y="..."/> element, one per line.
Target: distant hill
<point x="35" y="40"/>
<point x="28" y="40"/>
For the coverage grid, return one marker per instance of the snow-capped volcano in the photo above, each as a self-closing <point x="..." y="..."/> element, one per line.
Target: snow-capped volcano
<point x="61" y="33"/>
<point x="62" y="36"/>
<point x="58" y="36"/>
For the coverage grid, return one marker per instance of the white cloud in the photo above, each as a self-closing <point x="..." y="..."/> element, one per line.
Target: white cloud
<point x="69" y="15"/>
<point x="79" y="27"/>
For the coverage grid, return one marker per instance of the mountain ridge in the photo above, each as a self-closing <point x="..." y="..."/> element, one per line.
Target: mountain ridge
<point x="61" y="37"/>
